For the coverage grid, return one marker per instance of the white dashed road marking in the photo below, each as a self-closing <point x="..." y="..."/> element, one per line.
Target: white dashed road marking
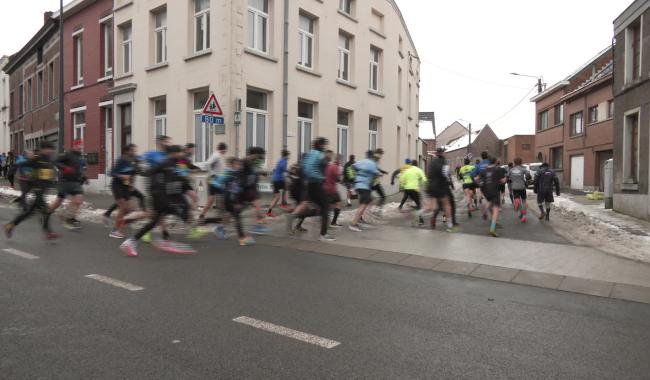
<point x="22" y="254"/>
<point x="114" y="282"/>
<point x="290" y="333"/>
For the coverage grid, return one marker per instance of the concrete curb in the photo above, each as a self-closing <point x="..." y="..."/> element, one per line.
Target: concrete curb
<point x="570" y="284"/>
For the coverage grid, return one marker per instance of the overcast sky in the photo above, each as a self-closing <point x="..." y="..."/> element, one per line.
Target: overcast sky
<point x="467" y="48"/>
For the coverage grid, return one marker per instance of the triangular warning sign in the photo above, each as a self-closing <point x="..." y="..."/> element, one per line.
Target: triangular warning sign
<point x="212" y="107"/>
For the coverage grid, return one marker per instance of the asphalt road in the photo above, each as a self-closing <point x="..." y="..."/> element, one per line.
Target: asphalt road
<point x="392" y="322"/>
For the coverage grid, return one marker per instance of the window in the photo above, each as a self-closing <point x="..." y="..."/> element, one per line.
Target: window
<point x="377" y="21"/>
<point x="408" y="101"/>
<point x="107" y="48"/>
<point x="39" y="88"/>
<point x="201" y="25"/>
<point x="345" y="6"/>
<point x="78" y="125"/>
<point x="203" y="133"/>
<point x="374" y="68"/>
<point x="401" y="46"/>
<point x="610" y="109"/>
<point x="161" y="36"/>
<point x="28" y="107"/>
<point x="126" y="121"/>
<point x="593" y="114"/>
<point x="77" y="41"/>
<point x="127" y="45"/>
<point x="633" y="52"/>
<point x="342" y="132"/>
<point x="21" y="100"/>
<point x="256" y="118"/>
<point x="306" y="41"/>
<point x="576" y="124"/>
<point x="559" y="114"/>
<point x="50" y="81"/>
<point x="258" y="25"/>
<point x="160" y="116"/>
<point x="631" y="148"/>
<point x="524" y="147"/>
<point x="556" y="158"/>
<point x="400" y="84"/>
<point x="543" y="120"/>
<point x="305" y="124"/>
<point x="344" y="57"/>
<point x="373" y="133"/>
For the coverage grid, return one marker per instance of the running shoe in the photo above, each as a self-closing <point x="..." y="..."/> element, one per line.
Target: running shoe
<point x="9" y="230"/>
<point x="220" y="232"/>
<point x="355" y="228"/>
<point x="115" y="234"/>
<point x="469" y="214"/>
<point x="285" y="207"/>
<point x="71" y="226"/>
<point x="271" y="215"/>
<point x="452" y="229"/>
<point x="433" y="223"/>
<point x="327" y="238"/>
<point x="196" y="233"/>
<point x="260" y="230"/>
<point x="548" y="217"/>
<point x="336" y="225"/>
<point x="261" y="220"/>
<point x="174" y="247"/>
<point x="51" y="236"/>
<point x="300" y="229"/>
<point x="129" y="247"/>
<point x="523" y="219"/>
<point x="248" y="240"/>
<point x="494" y="233"/>
<point x="147" y="238"/>
<point x="542" y="216"/>
<point x="290" y="219"/>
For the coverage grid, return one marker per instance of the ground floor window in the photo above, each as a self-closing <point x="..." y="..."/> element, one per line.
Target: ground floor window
<point x="631" y="148"/>
<point x="342" y="133"/>
<point x="557" y="158"/>
<point x="256" y="118"/>
<point x="305" y="124"/>
<point x="373" y="133"/>
<point x="78" y="125"/>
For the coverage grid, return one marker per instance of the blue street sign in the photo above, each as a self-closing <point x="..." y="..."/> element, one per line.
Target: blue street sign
<point x="209" y="119"/>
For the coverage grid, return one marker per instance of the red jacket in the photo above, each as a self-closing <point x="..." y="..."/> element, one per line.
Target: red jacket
<point x="332" y="177"/>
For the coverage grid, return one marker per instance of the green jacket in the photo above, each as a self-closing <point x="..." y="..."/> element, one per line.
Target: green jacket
<point x="412" y="178"/>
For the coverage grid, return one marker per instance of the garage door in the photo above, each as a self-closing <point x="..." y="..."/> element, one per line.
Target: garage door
<point x="577" y="172"/>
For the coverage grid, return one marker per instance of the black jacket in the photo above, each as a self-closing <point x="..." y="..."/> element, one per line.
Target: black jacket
<point x="546" y="181"/>
<point x="71" y="167"/>
<point x="170" y="180"/>
<point x="438" y="174"/>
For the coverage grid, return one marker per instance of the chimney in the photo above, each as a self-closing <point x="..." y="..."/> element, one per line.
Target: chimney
<point x="46" y="17"/>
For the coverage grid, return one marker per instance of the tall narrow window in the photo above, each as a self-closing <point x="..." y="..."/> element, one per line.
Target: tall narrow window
<point x="127" y="45"/>
<point x="79" y="125"/>
<point x="21" y="100"/>
<point x="543" y="120"/>
<point x="374" y="68"/>
<point x="203" y="134"/>
<point x="409" y="100"/>
<point x="39" y="88"/>
<point x="631" y="149"/>
<point x="256" y="118"/>
<point x="593" y="114"/>
<point x="345" y="6"/>
<point x="577" y="127"/>
<point x="342" y="133"/>
<point x="306" y="41"/>
<point x="201" y="25"/>
<point x="633" y="52"/>
<point x="258" y="25"/>
<point x="559" y="114"/>
<point x="305" y="124"/>
<point x="107" y="48"/>
<point x="126" y="121"/>
<point x="400" y="85"/>
<point x="160" y="116"/>
<point x="29" y="95"/>
<point x="50" y="81"/>
<point x="161" y="36"/>
<point x="344" y="57"/>
<point x="78" y="59"/>
<point x="610" y="109"/>
<point x="373" y="133"/>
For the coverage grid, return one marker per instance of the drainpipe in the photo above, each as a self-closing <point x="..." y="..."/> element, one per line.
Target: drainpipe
<point x="285" y="68"/>
<point x="61" y="90"/>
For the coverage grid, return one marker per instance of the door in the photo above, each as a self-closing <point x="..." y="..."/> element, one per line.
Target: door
<point x="577" y="172"/>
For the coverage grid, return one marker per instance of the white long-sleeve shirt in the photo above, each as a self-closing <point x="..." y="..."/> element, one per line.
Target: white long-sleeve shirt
<point x="214" y="165"/>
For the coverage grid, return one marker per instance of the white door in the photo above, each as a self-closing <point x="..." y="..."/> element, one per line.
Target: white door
<point x="577" y="172"/>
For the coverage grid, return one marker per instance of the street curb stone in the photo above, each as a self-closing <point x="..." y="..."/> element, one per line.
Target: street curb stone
<point x="491" y="272"/>
<point x="585" y="286"/>
<point x="538" y="279"/>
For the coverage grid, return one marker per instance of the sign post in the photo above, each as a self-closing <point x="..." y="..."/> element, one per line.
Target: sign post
<point x="213" y="115"/>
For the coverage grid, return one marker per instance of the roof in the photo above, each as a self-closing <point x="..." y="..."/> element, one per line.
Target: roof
<point x="604" y="73"/>
<point x="46" y="32"/>
<point x="461" y="142"/>
<point x="72" y="7"/>
<point x="631" y="13"/>
<point x="401" y="17"/>
<point x="3" y="61"/>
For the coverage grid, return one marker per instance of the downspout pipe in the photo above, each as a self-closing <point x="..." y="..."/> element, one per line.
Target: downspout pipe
<point x="285" y="75"/>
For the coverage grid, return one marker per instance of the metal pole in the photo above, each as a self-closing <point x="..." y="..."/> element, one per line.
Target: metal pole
<point x="285" y="95"/>
<point x="469" y="146"/>
<point x="61" y="92"/>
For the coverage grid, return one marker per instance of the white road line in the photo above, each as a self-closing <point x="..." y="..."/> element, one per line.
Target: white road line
<point x="284" y="331"/>
<point x="114" y="282"/>
<point x="22" y="254"/>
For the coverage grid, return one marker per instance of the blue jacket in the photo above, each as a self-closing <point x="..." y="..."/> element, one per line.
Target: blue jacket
<point x="280" y="169"/>
<point x="314" y="166"/>
<point x="366" y="171"/>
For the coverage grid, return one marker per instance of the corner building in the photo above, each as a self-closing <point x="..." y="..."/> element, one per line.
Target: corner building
<point x="346" y="70"/>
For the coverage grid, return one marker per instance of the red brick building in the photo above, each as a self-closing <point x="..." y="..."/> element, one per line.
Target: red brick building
<point x="574" y="126"/>
<point x="521" y="146"/>
<point x="88" y="75"/>
<point x="483" y="140"/>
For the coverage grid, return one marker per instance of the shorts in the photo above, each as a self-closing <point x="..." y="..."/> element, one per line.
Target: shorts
<point x="502" y="187"/>
<point x="494" y="198"/>
<point x="520" y="194"/>
<point x="437" y="193"/>
<point x="66" y="188"/>
<point x="121" y="192"/>
<point x="365" y="196"/>
<point x="168" y="206"/>
<point x="213" y="191"/>
<point x="250" y="195"/>
<point x="470" y="186"/>
<point x="334" y="197"/>
<point x="545" y="197"/>
<point x="278" y="186"/>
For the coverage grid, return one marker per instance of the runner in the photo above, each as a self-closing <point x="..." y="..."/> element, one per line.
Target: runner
<point x="366" y="171"/>
<point x="169" y="187"/>
<point x="249" y="178"/>
<point x="298" y="192"/>
<point x="348" y="178"/>
<point x="545" y="182"/>
<point x="492" y="177"/>
<point x="214" y="165"/>
<point x="279" y="179"/>
<point x="122" y="185"/>
<point x="469" y="186"/>
<point x="41" y="178"/>
<point x="398" y="173"/>
<point x="332" y="178"/>
<point x="23" y="172"/>
<point x="438" y="189"/>
<point x="377" y="186"/>
<point x="411" y="180"/>
<point x="152" y="159"/>
<point x="71" y="178"/>
<point x="519" y="177"/>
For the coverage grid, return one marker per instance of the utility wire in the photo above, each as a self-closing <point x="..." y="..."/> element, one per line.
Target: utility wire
<point x="514" y="107"/>
<point x="457" y="73"/>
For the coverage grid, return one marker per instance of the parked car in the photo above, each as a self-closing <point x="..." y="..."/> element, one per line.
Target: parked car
<point x="533" y="168"/>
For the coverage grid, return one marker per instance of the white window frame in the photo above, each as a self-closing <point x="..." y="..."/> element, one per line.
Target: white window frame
<point x="127" y="46"/>
<point x="78" y="129"/>
<point x="255" y="113"/>
<point x="561" y="113"/>
<point x="261" y="20"/>
<point x="346" y="7"/>
<point x="574" y="125"/>
<point x="627" y="146"/>
<point x="373" y="135"/>
<point x="202" y="16"/>
<point x="159" y="117"/>
<point x="340" y="128"/>
<point x="375" y="57"/>
<point x="203" y="147"/>
<point x="160" y="32"/>
<point x="306" y="43"/>
<point x="543" y="116"/>
<point x="107" y="34"/>
<point x="345" y="54"/>
<point x="304" y="123"/>
<point x="629" y="53"/>
<point x="77" y="37"/>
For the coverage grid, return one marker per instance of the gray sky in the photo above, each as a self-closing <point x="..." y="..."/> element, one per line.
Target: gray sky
<point x="467" y="48"/>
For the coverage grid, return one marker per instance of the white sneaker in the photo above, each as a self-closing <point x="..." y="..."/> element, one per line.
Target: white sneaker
<point x="129" y="247"/>
<point x="327" y="238"/>
<point x="355" y="228"/>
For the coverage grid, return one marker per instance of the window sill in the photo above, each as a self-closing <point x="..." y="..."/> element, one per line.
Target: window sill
<point x="595" y="123"/>
<point x="198" y="54"/>
<point x="104" y="79"/>
<point x="260" y="54"/>
<point x="577" y="136"/>
<point x="346" y="83"/>
<point x="76" y="87"/>
<point x="376" y="93"/>
<point x="410" y="118"/>
<point x="348" y="16"/>
<point x="123" y="76"/>
<point x="375" y="31"/>
<point x="629" y="186"/>
<point x="156" y="66"/>
<point x="309" y="71"/>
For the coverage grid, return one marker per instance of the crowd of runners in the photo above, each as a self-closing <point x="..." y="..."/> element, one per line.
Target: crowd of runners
<point x="311" y="182"/>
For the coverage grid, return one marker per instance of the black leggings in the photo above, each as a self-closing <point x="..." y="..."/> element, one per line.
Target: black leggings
<point x="164" y="207"/>
<point x="133" y="193"/>
<point x="382" y="194"/>
<point x="317" y="196"/>
<point x="38" y="204"/>
<point x="235" y="210"/>
<point x="415" y="196"/>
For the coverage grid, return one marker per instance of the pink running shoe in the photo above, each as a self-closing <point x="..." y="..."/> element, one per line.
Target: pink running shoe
<point x="174" y="247"/>
<point x="129" y="247"/>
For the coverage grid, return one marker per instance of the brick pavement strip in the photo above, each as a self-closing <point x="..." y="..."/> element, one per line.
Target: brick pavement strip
<point x="585" y="286"/>
<point x="537" y="279"/>
<point x="388" y="257"/>
<point x="491" y="272"/>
